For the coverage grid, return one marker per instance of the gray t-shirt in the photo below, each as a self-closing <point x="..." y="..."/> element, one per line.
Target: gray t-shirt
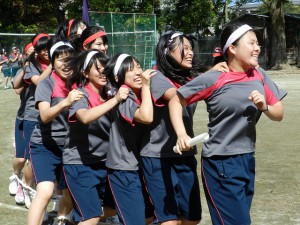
<point x="125" y="136"/>
<point x="232" y="116"/>
<point x="23" y="97"/>
<point x="159" y="138"/>
<point x="31" y="113"/>
<point x="52" y="90"/>
<point x="86" y="144"/>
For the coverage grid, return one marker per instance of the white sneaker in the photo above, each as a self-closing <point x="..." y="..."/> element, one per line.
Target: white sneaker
<point x="56" y="201"/>
<point x="19" y="197"/>
<point x="61" y="220"/>
<point x="29" y="194"/>
<point x="13" y="185"/>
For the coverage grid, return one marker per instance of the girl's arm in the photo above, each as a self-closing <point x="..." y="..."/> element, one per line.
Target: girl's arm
<point x="175" y="109"/>
<point x="144" y="114"/>
<point x="18" y="91"/>
<point x="274" y="112"/>
<point x="19" y="81"/>
<point x="87" y="116"/>
<point x="38" y="78"/>
<point x="5" y="60"/>
<point x="49" y="113"/>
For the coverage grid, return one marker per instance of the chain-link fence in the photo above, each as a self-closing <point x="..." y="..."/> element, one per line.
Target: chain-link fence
<point x="130" y="33"/>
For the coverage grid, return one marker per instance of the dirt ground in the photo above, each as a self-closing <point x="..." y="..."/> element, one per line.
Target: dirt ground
<point x="277" y="187"/>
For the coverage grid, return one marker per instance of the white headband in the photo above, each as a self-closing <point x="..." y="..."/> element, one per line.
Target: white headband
<point x="88" y="58"/>
<point x="119" y="62"/>
<point x="235" y="35"/>
<point x="58" y="44"/>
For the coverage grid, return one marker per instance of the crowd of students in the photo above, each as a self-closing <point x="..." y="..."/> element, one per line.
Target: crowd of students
<point x="99" y="131"/>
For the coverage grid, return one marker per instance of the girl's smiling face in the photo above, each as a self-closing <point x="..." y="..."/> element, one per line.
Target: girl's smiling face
<point x="188" y="54"/>
<point x="133" y="77"/>
<point x="96" y="76"/>
<point x="43" y="55"/>
<point x="98" y="44"/>
<point x="245" y="53"/>
<point x="60" y="66"/>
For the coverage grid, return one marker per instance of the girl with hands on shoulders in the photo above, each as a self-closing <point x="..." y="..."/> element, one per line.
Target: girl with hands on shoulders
<point x="235" y="101"/>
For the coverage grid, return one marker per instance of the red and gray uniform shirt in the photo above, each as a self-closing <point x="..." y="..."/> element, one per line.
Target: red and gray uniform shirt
<point x="125" y="136"/>
<point x="23" y="96"/>
<point x="86" y="144"/>
<point x="160" y="137"/>
<point x="51" y="89"/>
<point x="31" y="113"/>
<point x="232" y="116"/>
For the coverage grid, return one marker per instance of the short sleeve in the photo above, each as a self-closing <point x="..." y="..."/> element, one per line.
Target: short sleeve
<point x="43" y="91"/>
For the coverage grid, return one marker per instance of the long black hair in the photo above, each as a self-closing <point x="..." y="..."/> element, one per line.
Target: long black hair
<point x="168" y="65"/>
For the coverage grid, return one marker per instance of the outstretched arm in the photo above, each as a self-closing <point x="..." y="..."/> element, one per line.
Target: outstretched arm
<point x="175" y="109"/>
<point x="49" y="113"/>
<point x="87" y="116"/>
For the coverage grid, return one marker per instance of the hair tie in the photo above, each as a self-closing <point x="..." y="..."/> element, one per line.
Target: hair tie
<point x="235" y="35"/>
<point x="58" y="44"/>
<point x="94" y="37"/>
<point x="88" y="58"/>
<point x="69" y="27"/>
<point x="217" y="52"/>
<point x="37" y="38"/>
<point x="119" y="62"/>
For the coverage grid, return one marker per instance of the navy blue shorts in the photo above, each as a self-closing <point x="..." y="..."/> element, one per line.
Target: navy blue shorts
<point x="62" y="184"/>
<point x="173" y="186"/>
<point x="28" y="127"/>
<point x="20" y="139"/>
<point x="89" y="189"/>
<point x="228" y="183"/>
<point x="132" y="201"/>
<point x="46" y="161"/>
<point x="6" y="72"/>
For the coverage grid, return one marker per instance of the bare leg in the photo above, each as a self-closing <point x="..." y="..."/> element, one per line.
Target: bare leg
<point x="39" y="203"/>
<point x="18" y="164"/>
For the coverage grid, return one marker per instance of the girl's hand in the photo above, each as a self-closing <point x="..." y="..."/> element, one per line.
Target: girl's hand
<point x="222" y="67"/>
<point x="182" y="143"/>
<point x="146" y="76"/>
<point x="73" y="96"/>
<point x="122" y="94"/>
<point x="259" y="100"/>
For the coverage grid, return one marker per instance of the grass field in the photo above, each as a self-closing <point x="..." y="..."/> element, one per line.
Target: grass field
<point x="277" y="187"/>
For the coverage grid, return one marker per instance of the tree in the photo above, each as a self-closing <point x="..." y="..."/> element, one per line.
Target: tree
<point x="278" y="54"/>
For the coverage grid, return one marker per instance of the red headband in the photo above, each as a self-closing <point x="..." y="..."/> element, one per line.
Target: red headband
<point x="94" y="37"/>
<point x="69" y="27"/>
<point x="38" y="38"/>
<point x="28" y="46"/>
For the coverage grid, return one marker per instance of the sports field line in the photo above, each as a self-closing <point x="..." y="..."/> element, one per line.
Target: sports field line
<point x="12" y="207"/>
